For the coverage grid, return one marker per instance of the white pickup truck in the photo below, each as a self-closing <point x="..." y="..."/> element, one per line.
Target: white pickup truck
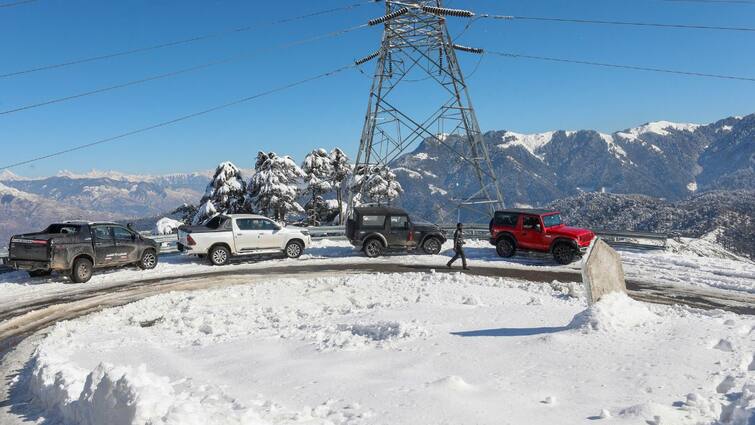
<point x="226" y="236"/>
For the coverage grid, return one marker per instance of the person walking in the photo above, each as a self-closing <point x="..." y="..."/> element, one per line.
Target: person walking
<point x="459" y="247"/>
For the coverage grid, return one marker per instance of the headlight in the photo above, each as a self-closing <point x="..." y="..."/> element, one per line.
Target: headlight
<point x="305" y="232"/>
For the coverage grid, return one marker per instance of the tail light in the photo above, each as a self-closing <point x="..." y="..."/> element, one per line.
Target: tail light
<point x="411" y="236"/>
<point x="190" y="240"/>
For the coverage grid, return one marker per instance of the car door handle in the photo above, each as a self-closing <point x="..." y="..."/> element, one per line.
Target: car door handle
<point x="239" y="234"/>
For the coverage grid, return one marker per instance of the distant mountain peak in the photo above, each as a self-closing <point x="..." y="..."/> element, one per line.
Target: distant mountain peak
<point x="657" y="127"/>
<point x="8" y="175"/>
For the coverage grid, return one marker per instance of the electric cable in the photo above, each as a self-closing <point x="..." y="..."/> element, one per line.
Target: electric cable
<point x="622" y="66"/>
<point x="182" y="41"/>
<point x="183" y="117"/>
<point x="183" y="70"/>
<point x="16" y="3"/>
<point x="626" y="23"/>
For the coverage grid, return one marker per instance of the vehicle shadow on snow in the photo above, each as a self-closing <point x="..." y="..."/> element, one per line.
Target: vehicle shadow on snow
<point x="521" y="258"/>
<point x="512" y="331"/>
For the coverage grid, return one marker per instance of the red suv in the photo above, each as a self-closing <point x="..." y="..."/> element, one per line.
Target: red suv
<point x="537" y="230"/>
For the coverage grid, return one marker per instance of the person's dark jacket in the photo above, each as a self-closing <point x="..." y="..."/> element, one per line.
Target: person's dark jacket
<point x="458" y="239"/>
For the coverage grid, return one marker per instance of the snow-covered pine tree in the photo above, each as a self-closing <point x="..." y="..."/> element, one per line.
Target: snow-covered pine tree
<point x="275" y="185"/>
<point x="318" y="170"/>
<point x="341" y="172"/>
<point x="375" y="184"/>
<point x="225" y="194"/>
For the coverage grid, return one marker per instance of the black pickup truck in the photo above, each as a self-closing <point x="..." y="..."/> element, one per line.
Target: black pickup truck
<point x="77" y="248"/>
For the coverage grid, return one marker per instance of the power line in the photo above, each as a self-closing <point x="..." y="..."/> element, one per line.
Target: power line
<point x="181" y="71"/>
<point x="16" y="3"/>
<point x="183" y="41"/>
<point x="625" y="23"/>
<point x="611" y="65"/>
<point x="183" y="118"/>
<point x="713" y="1"/>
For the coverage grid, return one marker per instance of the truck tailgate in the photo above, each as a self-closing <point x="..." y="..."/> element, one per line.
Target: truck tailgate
<point x="30" y="249"/>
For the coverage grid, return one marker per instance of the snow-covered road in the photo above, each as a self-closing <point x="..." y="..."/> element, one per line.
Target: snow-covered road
<point x="666" y="268"/>
<point x="416" y="348"/>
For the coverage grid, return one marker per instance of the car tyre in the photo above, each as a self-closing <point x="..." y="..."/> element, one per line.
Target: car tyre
<point x="148" y="261"/>
<point x="219" y="255"/>
<point x="294" y="249"/>
<point x="564" y="253"/>
<point x="432" y="246"/>
<point x="505" y="248"/>
<point x="373" y="248"/>
<point x="82" y="270"/>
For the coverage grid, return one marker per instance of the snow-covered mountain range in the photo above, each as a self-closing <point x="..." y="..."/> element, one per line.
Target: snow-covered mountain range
<point x="660" y="159"/>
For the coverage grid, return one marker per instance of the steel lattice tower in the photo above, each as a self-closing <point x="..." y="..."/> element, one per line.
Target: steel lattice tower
<point x="416" y="46"/>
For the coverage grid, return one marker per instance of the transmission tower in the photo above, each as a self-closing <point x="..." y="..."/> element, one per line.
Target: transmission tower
<point x="416" y="46"/>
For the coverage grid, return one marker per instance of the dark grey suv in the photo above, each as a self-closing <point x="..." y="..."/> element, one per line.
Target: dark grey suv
<point x="376" y="230"/>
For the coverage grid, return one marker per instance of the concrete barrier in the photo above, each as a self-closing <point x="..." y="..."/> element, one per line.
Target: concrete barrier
<point x="602" y="272"/>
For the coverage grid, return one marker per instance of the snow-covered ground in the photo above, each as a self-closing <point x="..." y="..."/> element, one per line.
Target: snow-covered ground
<point x="423" y="348"/>
<point x="679" y="266"/>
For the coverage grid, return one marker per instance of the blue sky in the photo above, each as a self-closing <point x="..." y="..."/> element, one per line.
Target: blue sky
<point x="516" y="94"/>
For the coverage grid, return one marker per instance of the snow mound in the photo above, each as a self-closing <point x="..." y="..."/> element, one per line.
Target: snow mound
<point x="742" y="408"/>
<point x="452" y="382"/>
<point x="357" y="336"/>
<point x="108" y="395"/>
<point x="166" y="226"/>
<point x="614" y="312"/>
<point x="706" y="246"/>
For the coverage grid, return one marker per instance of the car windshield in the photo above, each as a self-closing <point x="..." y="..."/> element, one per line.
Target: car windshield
<point x="552" y="220"/>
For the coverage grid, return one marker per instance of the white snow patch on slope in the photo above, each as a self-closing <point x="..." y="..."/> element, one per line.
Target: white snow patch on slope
<point x="531" y="142"/>
<point x="6" y="190"/>
<point x="410" y="173"/>
<point x="422" y="156"/>
<point x="8" y="175"/>
<point x="613" y="147"/>
<point x="435" y="189"/>
<point x="657" y="127"/>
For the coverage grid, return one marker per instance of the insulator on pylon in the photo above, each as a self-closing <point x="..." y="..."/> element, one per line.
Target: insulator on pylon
<point x="440" y="61"/>
<point x="367" y="58"/>
<point x="388" y="17"/>
<point x="468" y="49"/>
<point x="442" y="11"/>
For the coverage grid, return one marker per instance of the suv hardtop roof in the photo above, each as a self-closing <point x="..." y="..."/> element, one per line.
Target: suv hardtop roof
<point x="380" y="210"/>
<point x="535" y="211"/>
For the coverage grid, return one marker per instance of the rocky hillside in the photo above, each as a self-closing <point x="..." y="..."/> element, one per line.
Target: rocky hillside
<point x="30" y="204"/>
<point x="661" y="159"/>
<point x="724" y="216"/>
